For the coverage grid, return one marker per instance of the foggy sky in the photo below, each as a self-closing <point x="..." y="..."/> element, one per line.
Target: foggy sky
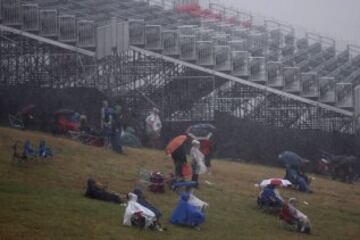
<point x="339" y="19"/>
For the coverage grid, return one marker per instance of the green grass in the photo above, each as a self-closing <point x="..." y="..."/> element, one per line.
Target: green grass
<point x="44" y="200"/>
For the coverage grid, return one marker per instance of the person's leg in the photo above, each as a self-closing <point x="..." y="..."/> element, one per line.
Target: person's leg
<point x="178" y="169"/>
<point x="303" y="186"/>
<point x="195" y="178"/>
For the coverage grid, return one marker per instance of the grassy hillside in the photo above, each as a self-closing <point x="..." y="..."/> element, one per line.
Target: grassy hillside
<point x="44" y="200"/>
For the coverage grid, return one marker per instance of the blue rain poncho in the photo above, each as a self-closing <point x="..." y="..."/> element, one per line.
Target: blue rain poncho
<point x="186" y="214"/>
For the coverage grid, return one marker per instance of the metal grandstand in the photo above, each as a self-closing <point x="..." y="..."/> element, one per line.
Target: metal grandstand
<point x="188" y="61"/>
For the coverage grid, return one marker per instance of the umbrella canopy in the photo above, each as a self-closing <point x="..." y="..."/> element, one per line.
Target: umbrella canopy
<point x="175" y="143"/>
<point x="276" y="182"/>
<point x="27" y="109"/>
<point x="64" y="112"/>
<point x="201" y="130"/>
<point x="288" y="158"/>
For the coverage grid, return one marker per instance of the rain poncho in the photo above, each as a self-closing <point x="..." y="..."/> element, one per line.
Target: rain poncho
<point x="186" y="214"/>
<point x="141" y="200"/>
<point x="297" y="180"/>
<point x="291" y="215"/>
<point x="153" y="124"/>
<point x="197" y="203"/>
<point x="270" y="197"/>
<point x="134" y="208"/>
<point x="198" y="165"/>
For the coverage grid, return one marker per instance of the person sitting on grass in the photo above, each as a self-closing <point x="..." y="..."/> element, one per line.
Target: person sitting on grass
<point x="293" y="218"/>
<point x="270" y="200"/>
<point x="185" y="214"/>
<point x="139" y="216"/>
<point x="142" y="201"/>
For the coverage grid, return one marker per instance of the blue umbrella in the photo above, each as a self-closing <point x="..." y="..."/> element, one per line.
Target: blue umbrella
<point x="201" y="129"/>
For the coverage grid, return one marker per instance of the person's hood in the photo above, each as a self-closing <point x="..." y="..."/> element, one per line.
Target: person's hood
<point x="138" y="193"/>
<point x="185" y="196"/>
<point x="132" y="197"/>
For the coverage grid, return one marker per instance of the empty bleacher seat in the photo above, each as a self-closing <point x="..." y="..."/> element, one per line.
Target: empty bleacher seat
<point x="170" y="43"/>
<point x="309" y="85"/>
<point x="274" y="75"/>
<point x="11" y="12"/>
<point x="31" y="17"/>
<point x="258" y="69"/>
<point x="291" y="77"/>
<point x="222" y="58"/>
<point x="67" y="28"/>
<point x="240" y="63"/>
<point x="204" y="53"/>
<point x="327" y="90"/>
<point x="187" y="47"/>
<point x="86" y="34"/>
<point x="153" y="37"/>
<point x="137" y="32"/>
<point x="49" y="23"/>
<point x="344" y="95"/>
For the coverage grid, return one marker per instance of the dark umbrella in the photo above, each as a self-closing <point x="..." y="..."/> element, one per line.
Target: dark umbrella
<point x="201" y="129"/>
<point x="288" y="158"/>
<point x="64" y="112"/>
<point x="27" y="109"/>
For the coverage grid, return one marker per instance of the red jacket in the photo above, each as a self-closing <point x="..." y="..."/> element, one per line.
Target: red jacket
<point x="205" y="147"/>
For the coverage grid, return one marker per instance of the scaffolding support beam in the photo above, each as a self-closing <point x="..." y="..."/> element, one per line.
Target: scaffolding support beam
<point x="47" y="41"/>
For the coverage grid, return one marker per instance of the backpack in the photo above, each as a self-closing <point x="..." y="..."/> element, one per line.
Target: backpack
<point x="157" y="181"/>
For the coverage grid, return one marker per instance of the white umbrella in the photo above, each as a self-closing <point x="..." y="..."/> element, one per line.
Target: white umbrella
<point x="276" y="182"/>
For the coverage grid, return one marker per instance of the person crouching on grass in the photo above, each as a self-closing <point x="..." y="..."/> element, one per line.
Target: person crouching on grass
<point x="197" y="162"/>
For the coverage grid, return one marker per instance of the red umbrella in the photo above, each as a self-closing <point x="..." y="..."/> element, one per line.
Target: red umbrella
<point x="175" y="144"/>
<point x="27" y="109"/>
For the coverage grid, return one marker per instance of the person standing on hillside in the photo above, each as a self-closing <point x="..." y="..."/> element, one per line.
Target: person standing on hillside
<point x="197" y="163"/>
<point x="206" y="149"/>
<point x="117" y="129"/>
<point x="153" y="128"/>
<point x="106" y="123"/>
<point x="179" y="157"/>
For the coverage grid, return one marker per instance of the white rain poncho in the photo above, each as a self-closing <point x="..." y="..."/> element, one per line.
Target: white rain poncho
<point x="301" y="217"/>
<point x="197" y="203"/>
<point x="134" y="207"/>
<point x="198" y="160"/>
<point x="153" y="124"/>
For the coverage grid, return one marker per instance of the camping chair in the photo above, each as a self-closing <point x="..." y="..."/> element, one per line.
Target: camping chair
<point x="17" y="157"/>
<point x="44" y="151"/>
<point x="29" y="152"/>
<point x="16" y="121"/>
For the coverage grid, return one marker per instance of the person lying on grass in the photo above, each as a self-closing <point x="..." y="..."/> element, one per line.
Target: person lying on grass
<point x="98" y="191"/>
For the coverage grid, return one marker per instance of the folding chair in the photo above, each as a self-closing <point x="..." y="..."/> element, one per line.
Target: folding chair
<point x="16" y="121"/>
